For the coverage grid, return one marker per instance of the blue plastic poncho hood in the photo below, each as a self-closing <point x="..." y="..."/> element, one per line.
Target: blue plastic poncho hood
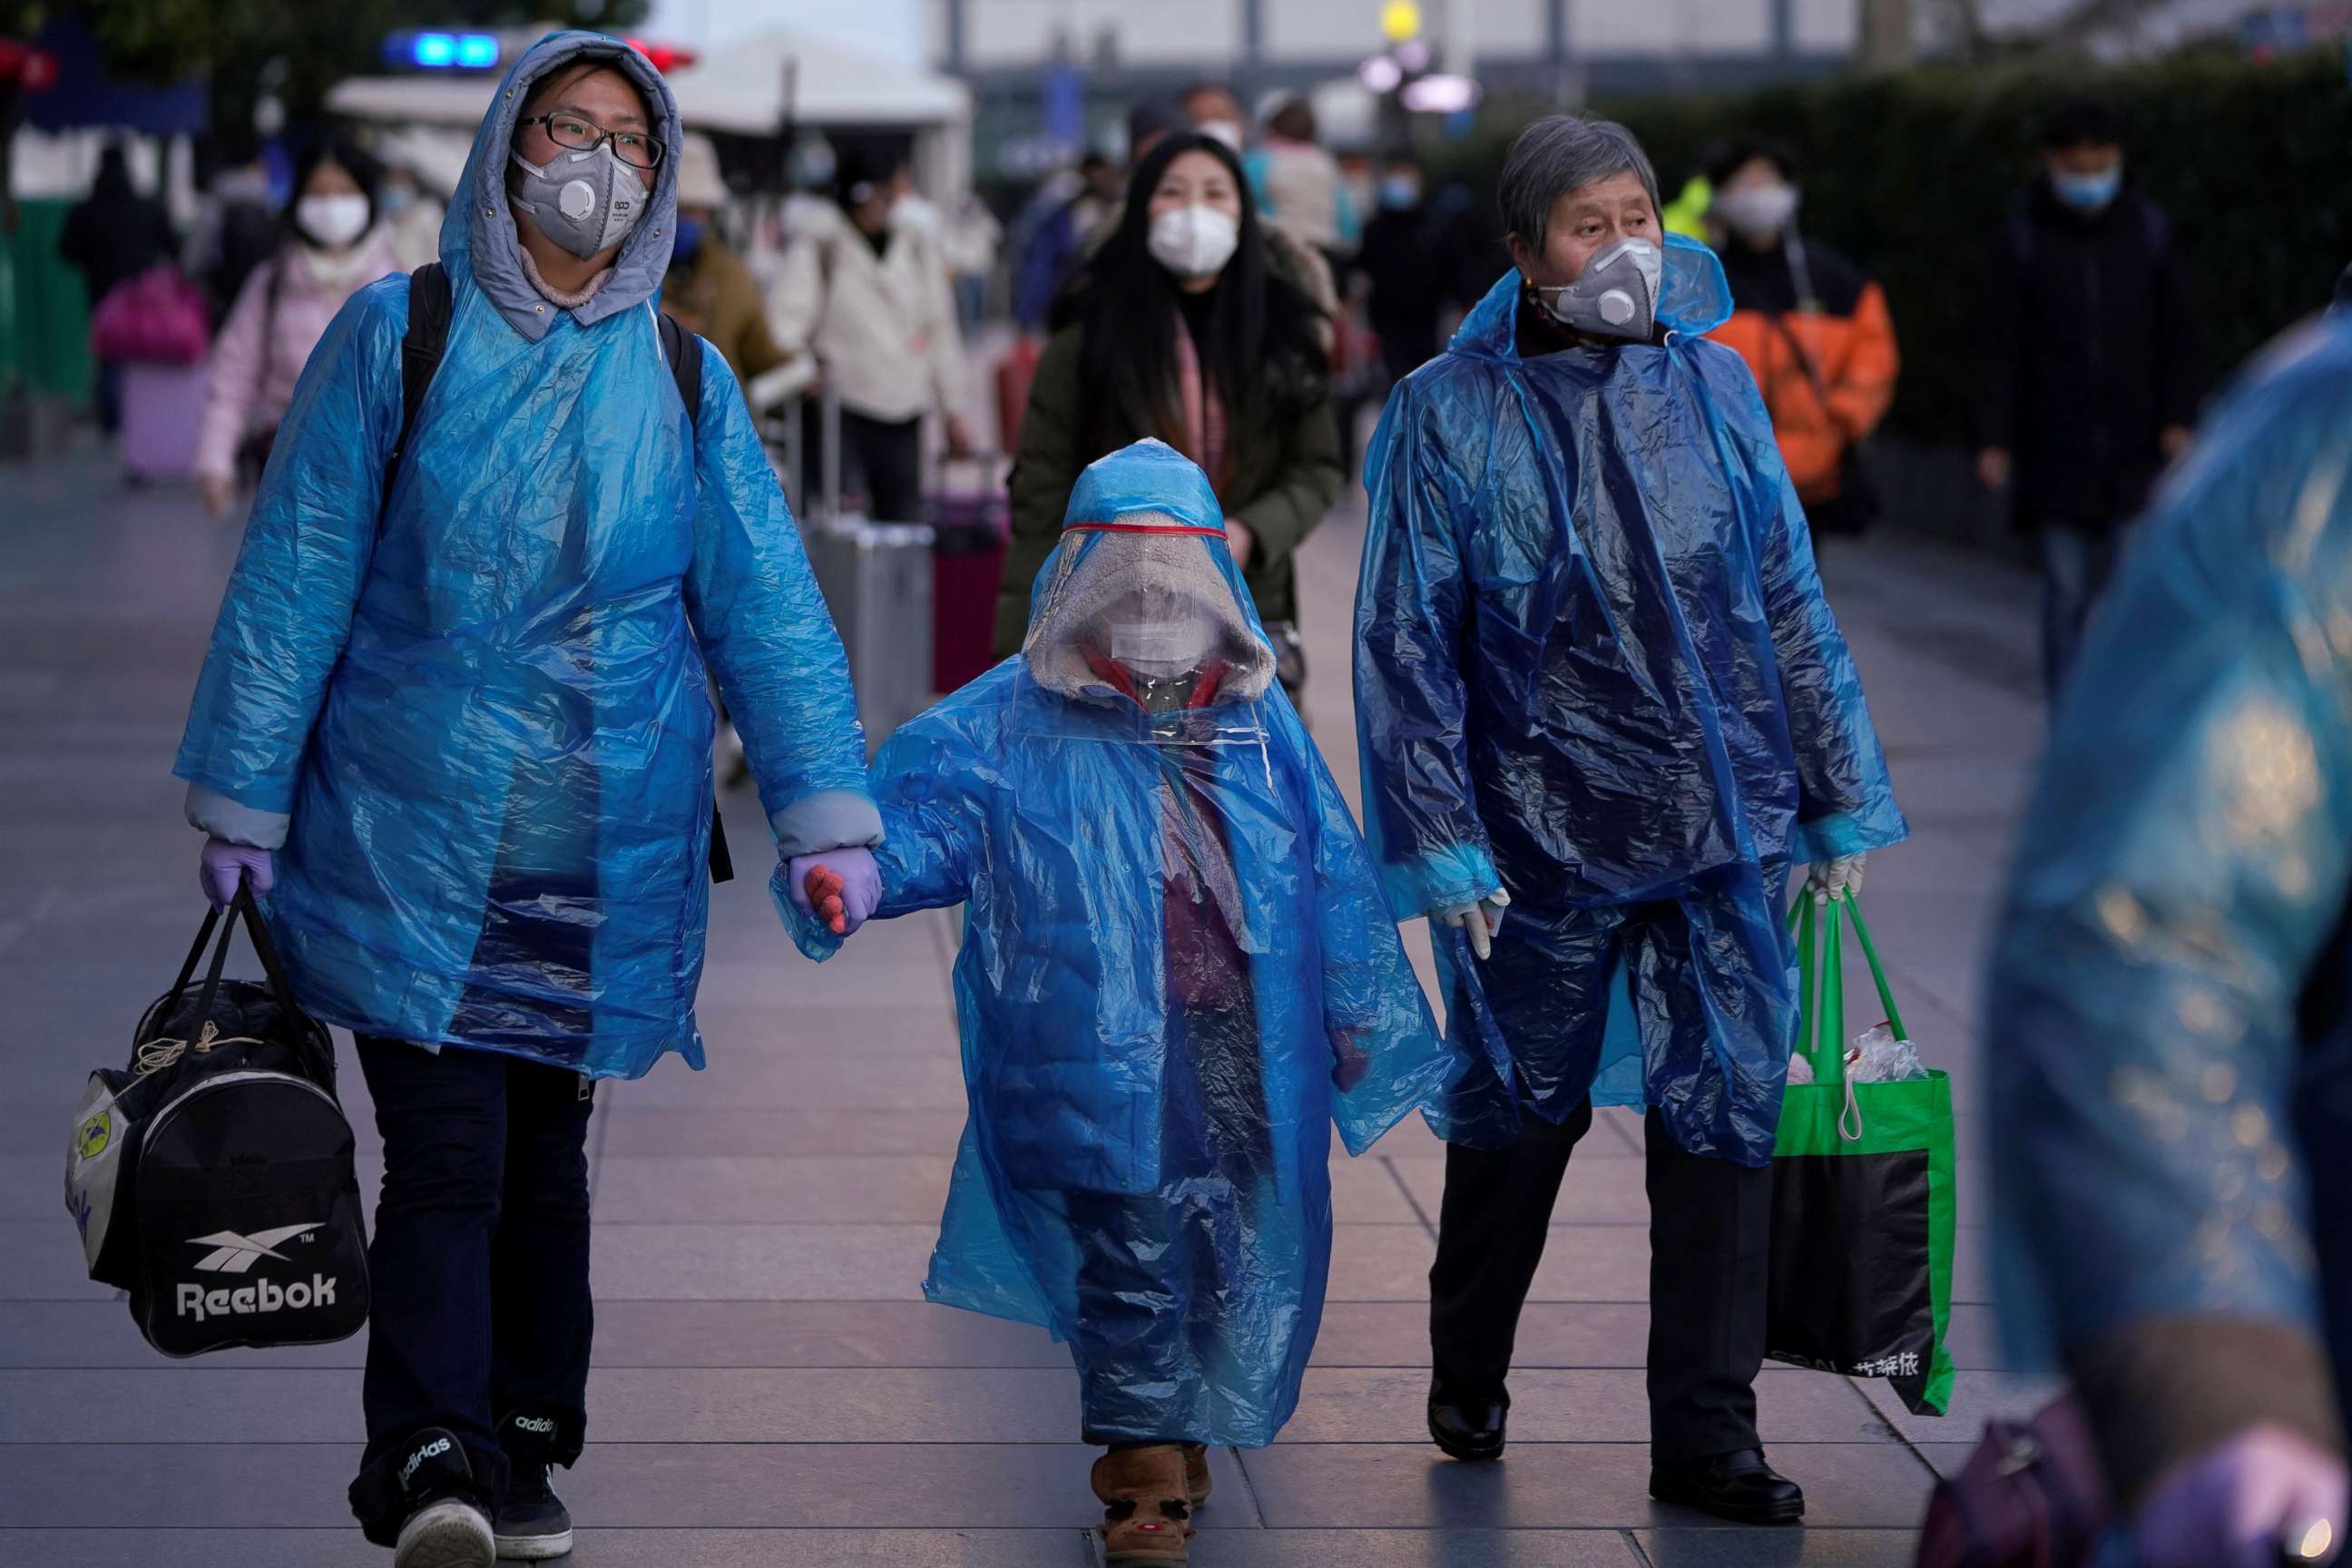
<point x="1173" y="939"/>
<point x="473" y="704"/>
<point x="1594" y="667"/>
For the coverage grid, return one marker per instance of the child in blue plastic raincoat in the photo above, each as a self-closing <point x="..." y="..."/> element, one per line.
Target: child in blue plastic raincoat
<point x="2168" y="1043"/>
<point x="1177" y="971"/>
<point x="1602" y="708"/>
<point x="455" y="724"/>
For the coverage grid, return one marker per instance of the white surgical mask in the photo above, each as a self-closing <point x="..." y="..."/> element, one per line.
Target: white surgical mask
<point x="1223" y="130"/>
<point x="1161" y="650"/>
<point x="333" y="221"/>
<point x="1194" y="241"/>
<point x="1756" y="212"/>
<point x="912" y="211"/>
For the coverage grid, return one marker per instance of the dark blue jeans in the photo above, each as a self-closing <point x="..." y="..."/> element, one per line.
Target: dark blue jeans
<point x="479" y="1264"/>
<point x="2076" y="562"/>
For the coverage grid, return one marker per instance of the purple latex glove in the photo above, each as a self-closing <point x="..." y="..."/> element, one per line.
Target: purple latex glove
<point x="860" y="894"/>
<point x="2264" y="1497"/>
<point x="1349" y="1061"/>
<point x="223" y="866"/>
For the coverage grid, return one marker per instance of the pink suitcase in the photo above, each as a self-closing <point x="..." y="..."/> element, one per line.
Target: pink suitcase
<point x="161" y="406"/>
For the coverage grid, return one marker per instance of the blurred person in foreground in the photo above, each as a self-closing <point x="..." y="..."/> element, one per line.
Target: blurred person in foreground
<point x="1176" y="977"/>
<point x="2169" y="1039"/>
<point x="1813" y="330"/>
<point x="453" y="727"/>
<point x="1603" y="708"/>
<point x="708" y="288"/>
<point x="1179" y="328"/>
<point x="866" y="291"/>
<point x="334" y="247"/>
<point x="111" y="236"/>
<point x="2087" y="363"/>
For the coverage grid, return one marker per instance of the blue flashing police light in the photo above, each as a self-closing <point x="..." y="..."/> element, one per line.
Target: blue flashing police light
<point x="442" y="51"/>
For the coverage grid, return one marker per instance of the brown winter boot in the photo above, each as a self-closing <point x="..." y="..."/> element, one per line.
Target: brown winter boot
<point x="1196" y="1473"/>
<point x="1146" y="1515"/>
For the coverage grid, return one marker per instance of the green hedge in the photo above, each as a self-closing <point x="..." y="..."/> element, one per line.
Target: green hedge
<point x="1911" y="176"/>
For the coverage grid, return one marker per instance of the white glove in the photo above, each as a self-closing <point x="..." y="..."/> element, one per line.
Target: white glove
<point x="1828" y="880"/>
<point x="1489" y="920"/>
<point x="2240" y="1503"/>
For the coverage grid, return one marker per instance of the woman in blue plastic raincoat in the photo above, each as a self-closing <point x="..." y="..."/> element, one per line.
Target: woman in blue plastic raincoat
<point x="2169" y="1030"/>
<point x="1597" y="686"/>
<point x="463" y="707"/>
<point x="1177" y="973"/>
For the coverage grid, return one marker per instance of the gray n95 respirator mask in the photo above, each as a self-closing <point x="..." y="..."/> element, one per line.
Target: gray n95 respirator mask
<point x="584" y="202"/>
<point x="1616" y="296"/>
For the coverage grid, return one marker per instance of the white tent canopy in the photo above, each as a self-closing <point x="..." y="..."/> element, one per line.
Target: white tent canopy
<point x="737" y="89"/>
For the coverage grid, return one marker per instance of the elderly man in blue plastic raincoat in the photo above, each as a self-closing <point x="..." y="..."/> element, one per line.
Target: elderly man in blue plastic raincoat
<point x="455" y="724"/>
<point x="1603" y="708"/>
<point x="2169" y="1038"/>
<point x="1177" y="973"/>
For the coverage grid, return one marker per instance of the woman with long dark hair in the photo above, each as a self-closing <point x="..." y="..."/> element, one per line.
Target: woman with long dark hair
<point x="1177" y="329"/>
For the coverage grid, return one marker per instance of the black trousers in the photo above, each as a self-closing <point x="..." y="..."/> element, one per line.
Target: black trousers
<point x="479" y="1264"/>
<point x="1710" y="1241"/>
<point x="888" y="456"/>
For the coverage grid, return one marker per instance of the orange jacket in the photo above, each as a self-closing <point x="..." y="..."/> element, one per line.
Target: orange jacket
<point x="1845" y="334"/>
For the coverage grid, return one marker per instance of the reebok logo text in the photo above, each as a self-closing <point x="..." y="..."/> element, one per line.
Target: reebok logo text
<point x="262" y="1296"/>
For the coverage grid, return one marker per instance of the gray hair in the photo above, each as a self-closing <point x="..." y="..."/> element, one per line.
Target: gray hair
<point x="1557" y="154"/>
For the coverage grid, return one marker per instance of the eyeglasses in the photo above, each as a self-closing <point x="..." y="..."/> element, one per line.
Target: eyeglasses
<point x="636" y="148"/>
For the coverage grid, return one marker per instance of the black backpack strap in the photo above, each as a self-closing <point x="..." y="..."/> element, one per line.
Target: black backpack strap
<point x="683" y="349"/>
<point x="420" y="355"/>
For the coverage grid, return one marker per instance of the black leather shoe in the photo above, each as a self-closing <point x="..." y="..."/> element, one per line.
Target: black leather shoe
<point x="1737" y="1487"/>
<point x="1469" y="1429"/>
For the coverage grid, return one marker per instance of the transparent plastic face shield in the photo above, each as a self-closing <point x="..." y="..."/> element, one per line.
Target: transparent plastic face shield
<point x="1144" y="634"/>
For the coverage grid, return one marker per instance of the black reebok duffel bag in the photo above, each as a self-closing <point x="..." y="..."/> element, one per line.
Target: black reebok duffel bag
<point x="213" y="1177"/>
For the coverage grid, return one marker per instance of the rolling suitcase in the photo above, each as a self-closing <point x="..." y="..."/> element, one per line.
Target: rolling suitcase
<point x="161" y="405"/>
<point x="971" y="528"/>
<point x="877" y="581"/>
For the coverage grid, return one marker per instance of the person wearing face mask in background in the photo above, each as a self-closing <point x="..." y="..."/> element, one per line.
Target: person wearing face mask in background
<point x="2089" y="372"/>
<point x="334" y="247"/>
<point x="453" y="728"/>
<point x="866" y="292"/>
<point x="1813" y="329"/>
<point x="411" y="215"/>
<point x="1176" y="977"/>
<point x="1178" y="328"/>
<point x="708" y="288"/>
<point x="1404" y="268"/>
<point x="1602" y="709"/>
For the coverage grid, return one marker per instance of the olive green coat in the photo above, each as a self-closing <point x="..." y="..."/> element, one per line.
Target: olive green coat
<point x="1286" y="478"/>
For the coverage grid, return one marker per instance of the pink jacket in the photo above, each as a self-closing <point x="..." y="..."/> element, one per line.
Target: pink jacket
<point x="264" y="344"/>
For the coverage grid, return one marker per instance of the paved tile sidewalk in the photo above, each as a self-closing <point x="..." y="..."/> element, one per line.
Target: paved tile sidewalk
<point x="771" y="1389"/>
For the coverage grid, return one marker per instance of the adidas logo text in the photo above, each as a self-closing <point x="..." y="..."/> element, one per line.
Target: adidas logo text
<point x="535" y="1424"/>
<point x="263" y="1296"/>
<point x="439" y="1445"/>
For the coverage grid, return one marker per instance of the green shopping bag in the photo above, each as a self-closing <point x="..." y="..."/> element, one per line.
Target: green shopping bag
<point x="1862" y="1196"/>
